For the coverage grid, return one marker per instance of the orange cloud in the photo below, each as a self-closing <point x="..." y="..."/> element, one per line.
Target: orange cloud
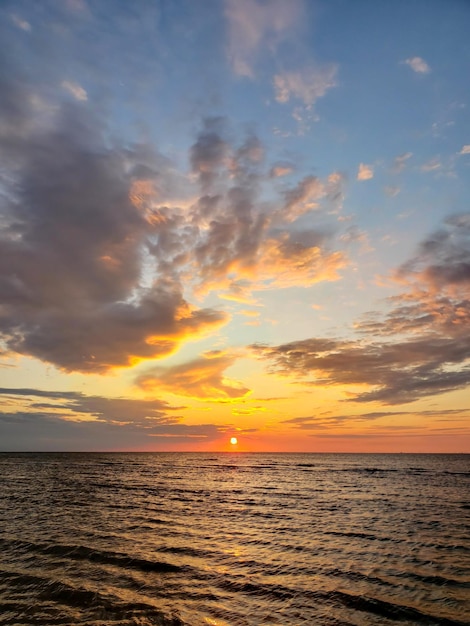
<point x="277" y="171"/>
<point x="199" y="378"/>
<point x="365" y="172"/>
<point x="289" y="263"/>
<point x="302" y="198"/>
<point x="250" y="313"/>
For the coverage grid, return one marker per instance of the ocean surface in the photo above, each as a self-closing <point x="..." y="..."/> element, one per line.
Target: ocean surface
<point x="234" y="539"/>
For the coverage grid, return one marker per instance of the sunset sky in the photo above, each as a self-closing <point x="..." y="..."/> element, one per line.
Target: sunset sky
<point x="235" y="218"/>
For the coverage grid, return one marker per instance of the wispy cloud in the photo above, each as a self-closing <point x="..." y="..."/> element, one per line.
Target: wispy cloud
<point x="303" y="197"/>
<point x="76" y="90"/>
<point x="326" y="421"/>
<point x="399" y="163"/>
<point x="465" y="149"/>
<point x="307" y="84"/>
<point x="256" y="27"/>
<point x="279" y="170"/>
<point x="20" y="23"/>
<point x="418" y="65"/>
<point x="392" y="190"/>
<point x="431" y="166"/>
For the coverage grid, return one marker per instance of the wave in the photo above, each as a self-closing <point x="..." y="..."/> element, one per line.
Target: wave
<point x="82" y="553"/>
<point x="52" y="594"/>
<point x="392" y="611"/>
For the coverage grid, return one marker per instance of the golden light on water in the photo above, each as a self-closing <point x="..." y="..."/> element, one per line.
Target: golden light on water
<point x="233" y="441"/>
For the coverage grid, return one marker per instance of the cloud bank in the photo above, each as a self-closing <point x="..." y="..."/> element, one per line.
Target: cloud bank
<point x="38" y="420"/>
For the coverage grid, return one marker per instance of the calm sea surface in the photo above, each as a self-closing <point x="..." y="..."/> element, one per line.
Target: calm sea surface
<point x="234" y="539"/>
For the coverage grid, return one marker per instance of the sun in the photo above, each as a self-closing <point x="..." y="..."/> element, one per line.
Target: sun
<point x="234" y="441"/>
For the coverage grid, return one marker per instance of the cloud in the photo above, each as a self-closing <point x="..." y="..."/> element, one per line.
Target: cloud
<point x="73" y="246"/>
<point x="73" y="421"/>
<point x="303" y="197"/>
<point x="298" y="259"/>
<point x="75" y="90"/>
<point x="465" y="149"/>
<point x="308" y="193"/>
<point x="242" y="244"/>
<point x="44" y="432"/>
<point x="77" y="6"/>
<point x="418" y="65"/>
<point x="325" y="421"/>
<point x="365" y="172"/>
<point x="279" y="170"/>
<point x="308" y="84"/>
<point x="399" y="163"/>
<point x="442" y="264"/>
<point x="395" y="372"/>
<point x="250" y="313"/>
<point x="20" y="23"/>
<point x="199" y="378"/>
<point x="392" y="190"/>
<point x="210" y="152"/>
<point x="76" y="406"/>
<point x="431" y="166"/>
<point x="420" y="349"/>
<point x="256" y="27"/>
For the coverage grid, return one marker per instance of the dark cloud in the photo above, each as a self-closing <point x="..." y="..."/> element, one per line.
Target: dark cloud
<point x="143" y="412"/>
<point x="210" y="151"/>
<point x="42" y="432"/>
<point x="326" y="420"/>
<point x="443" y="259"/>
<point x="76" y="285"/>
<point x="396" y="372"/>
<point x="71" y="420"/>
<point x="313" y="422"/>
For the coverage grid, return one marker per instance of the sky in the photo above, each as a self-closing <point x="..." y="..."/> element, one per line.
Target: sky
<point x="235" y="219"/>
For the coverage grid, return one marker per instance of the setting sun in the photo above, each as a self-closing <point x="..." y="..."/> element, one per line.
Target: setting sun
<point x="234" y="441"/>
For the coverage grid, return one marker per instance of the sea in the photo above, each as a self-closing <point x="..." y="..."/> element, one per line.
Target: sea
<point x="234" y="539"/>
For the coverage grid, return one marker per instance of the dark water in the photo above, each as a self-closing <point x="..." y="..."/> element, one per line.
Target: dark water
<point x="234" y="539"/>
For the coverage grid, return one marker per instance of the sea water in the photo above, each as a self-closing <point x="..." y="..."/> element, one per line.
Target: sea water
<point x="234" y="539"/>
